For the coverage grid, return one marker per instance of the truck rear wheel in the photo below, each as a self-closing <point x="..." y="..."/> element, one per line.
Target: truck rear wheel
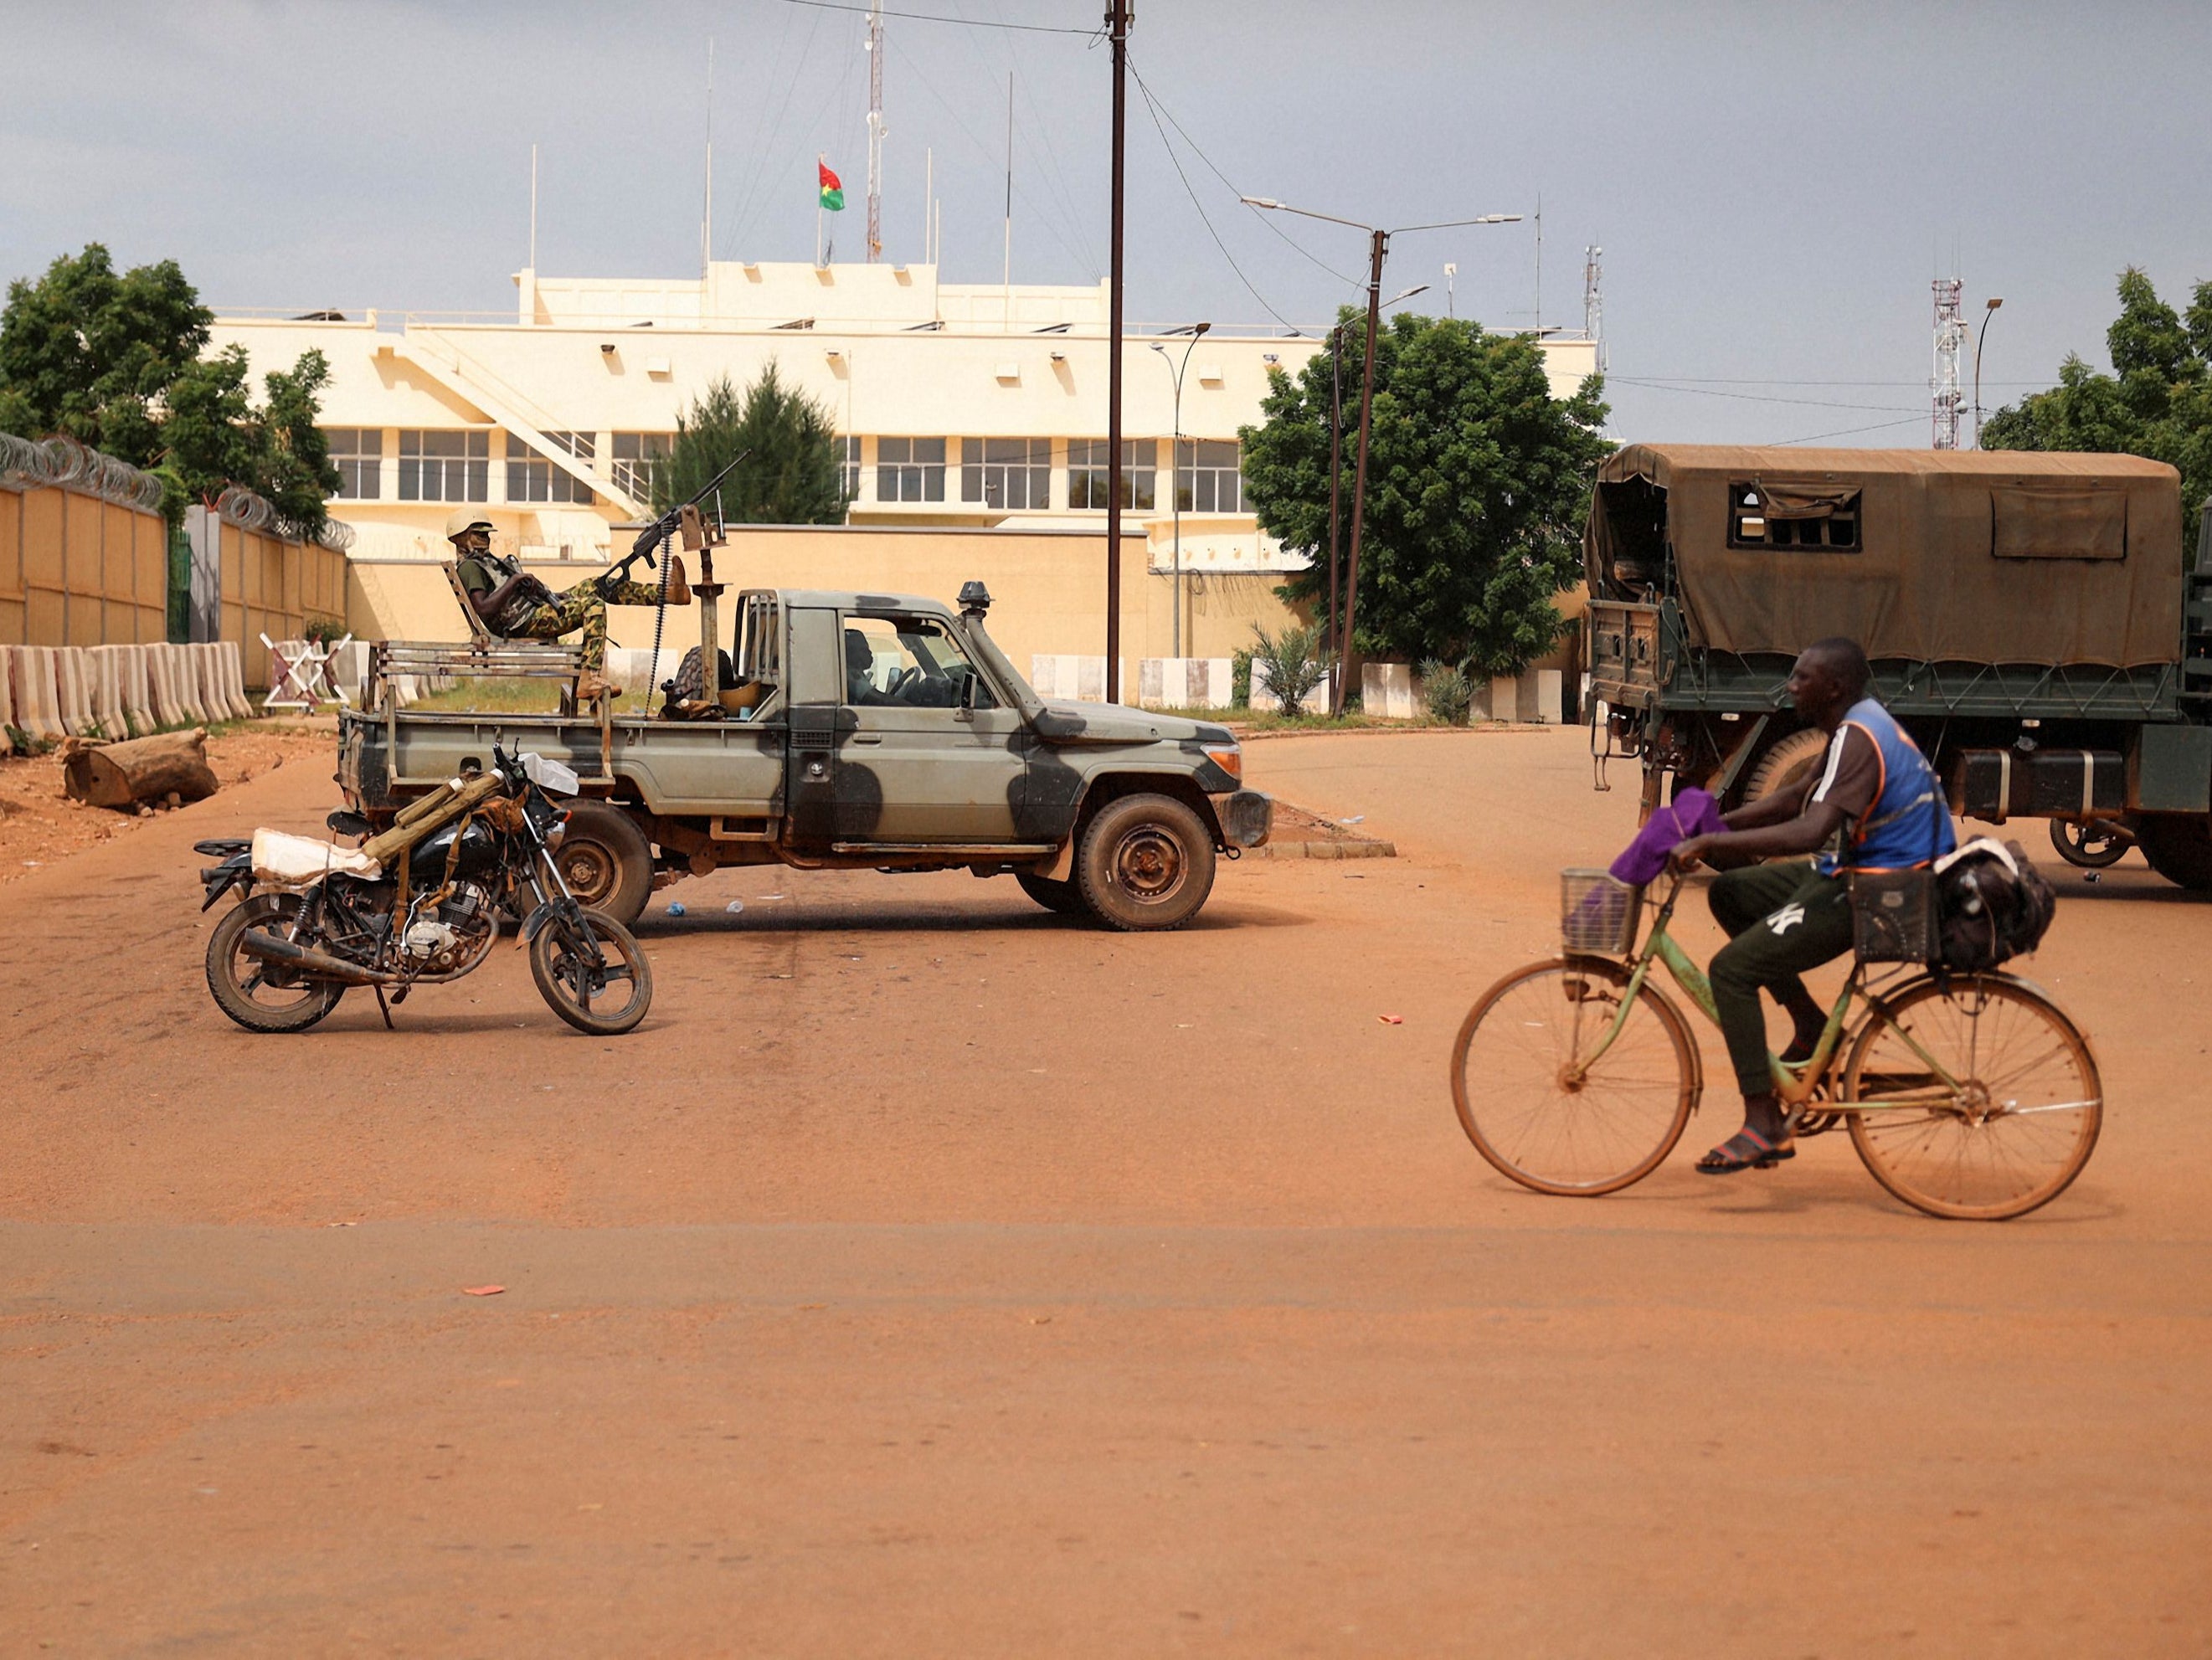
<point x="1146" y="865"/>
<point x="2178" y="846"/>
<point x="606" y="860"/>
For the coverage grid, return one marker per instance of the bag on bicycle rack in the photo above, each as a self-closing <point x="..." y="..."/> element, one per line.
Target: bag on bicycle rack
<point x="1994" y="904"/>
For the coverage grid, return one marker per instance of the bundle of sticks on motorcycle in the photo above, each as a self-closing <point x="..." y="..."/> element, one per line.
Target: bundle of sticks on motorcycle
<point x="419" y="903"/>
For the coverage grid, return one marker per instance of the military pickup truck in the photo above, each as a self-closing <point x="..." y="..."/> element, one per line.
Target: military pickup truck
<point x="2029" y="618"/>
<point x="857" y="731"/>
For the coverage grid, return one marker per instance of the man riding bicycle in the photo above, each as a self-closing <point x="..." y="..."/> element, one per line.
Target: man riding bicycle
<point x="1877" y="800"/>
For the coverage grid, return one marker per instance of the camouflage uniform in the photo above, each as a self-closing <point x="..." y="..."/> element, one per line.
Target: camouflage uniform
<point x="581" y="608"/>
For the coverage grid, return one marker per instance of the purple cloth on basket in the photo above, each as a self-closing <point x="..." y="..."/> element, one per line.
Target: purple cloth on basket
<point x="1692" y="813"/>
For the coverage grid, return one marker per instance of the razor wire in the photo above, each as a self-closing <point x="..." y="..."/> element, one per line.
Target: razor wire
<point x="64" y="463"/>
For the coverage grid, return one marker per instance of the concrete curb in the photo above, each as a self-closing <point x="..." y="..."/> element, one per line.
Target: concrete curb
<point x="1352" y="847"/>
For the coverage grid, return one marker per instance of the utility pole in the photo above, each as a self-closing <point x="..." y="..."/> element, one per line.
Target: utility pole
<point x="1335" y="513"/>
<point x="1378" y="244"/>
<point x="875" y="132"/>
<point x="1117" y="25"/>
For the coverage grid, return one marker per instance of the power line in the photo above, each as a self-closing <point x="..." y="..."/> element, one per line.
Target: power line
<point x="1749" y="396"/>
<point x="1267" y="219"/>
<point x="930" y="17"/>
<point x="1176" y="161"/>
<point x="1846" y="432"/>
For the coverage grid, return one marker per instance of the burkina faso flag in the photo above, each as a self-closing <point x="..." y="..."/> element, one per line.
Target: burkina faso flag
<point x="833" y="190"/>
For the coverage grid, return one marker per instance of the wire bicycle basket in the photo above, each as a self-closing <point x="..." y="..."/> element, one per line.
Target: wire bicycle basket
<point x="1599" y="914"/>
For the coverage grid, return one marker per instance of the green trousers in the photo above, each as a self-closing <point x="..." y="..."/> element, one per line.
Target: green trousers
<point x="1782" y="919"/>
<point x="584" y="609"/>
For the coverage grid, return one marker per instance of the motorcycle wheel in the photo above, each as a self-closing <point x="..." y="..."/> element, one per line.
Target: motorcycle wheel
<point x="605" y="1002"/>
<point x="263" y="996"/>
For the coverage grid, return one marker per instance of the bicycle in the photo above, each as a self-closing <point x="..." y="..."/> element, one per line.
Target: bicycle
<point x="1966" y="1095"/>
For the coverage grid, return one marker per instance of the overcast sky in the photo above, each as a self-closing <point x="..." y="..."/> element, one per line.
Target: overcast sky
<point x="1774" y="184"/>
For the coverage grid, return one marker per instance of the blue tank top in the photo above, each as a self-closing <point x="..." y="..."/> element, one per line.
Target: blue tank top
<point x="1909" y="824"/>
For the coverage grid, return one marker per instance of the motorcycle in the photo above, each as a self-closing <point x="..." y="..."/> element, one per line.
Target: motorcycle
<point x="315" y="919"/>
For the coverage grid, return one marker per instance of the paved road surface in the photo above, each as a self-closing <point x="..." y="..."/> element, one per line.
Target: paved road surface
<point x="932" y="1276"/>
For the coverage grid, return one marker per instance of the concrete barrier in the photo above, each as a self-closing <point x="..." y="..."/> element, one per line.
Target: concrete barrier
<point x="7" y="703"/>
<point x="1183" y="682"/>
<point x="185" y="685"/>
<point x="104" y="692"/>
<point x="232" y="656"/>
<point x="1263" y="693"/>
<point x="1388" y="690"/>
<point x="69" y="665"/>
<point x="137" y="695"/>
<point x="1069" y="677"/>
<point x="31" y="684"/>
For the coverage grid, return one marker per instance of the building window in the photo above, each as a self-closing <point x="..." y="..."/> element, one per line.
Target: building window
<point x="1207" y="478"/>
<point x="358" y="454"/>
<point x="909" y="470"/>
<point x="1793" y="516"/>
<point x="1014" y="473"/>
<point x="637" y="456"/>
<point x="532" y="477"/>
<point x="851" y="447"/>
<point x="1086" y="474"/>
<point x="445" y="466"/>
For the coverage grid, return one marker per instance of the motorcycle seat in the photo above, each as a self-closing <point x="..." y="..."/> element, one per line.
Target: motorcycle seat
<point x="284" y="861"/>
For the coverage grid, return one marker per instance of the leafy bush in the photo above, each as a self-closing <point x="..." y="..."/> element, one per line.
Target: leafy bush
<point x="1239" y="678"/>
<point x="1447" y="691"/>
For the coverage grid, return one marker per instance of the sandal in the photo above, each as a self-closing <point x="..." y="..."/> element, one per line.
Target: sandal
<point x="1746" y="1149"/>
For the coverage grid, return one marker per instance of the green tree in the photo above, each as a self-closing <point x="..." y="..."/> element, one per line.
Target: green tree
<point x="90" y="352"/>
<point x="213" y="435"/>
<point x="2158" y="402"/>
<point x="1477" y="488"/>
<point x="793" y="474"/>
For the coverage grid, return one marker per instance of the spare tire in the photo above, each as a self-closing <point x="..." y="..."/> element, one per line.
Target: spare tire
<point x="1786" y="764"/>
<point x="605" y="859"/>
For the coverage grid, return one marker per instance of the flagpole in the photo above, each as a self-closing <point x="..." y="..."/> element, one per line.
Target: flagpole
<point x="820" y="161"/>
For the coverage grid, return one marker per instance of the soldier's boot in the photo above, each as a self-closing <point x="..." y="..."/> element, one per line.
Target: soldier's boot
<point x="591" y="687"/>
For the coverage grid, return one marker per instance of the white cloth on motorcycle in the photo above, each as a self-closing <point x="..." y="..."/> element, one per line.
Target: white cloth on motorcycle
<point x="283" y="860"/>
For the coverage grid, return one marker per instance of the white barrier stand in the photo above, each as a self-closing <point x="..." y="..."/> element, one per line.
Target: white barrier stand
<point x="1388" y="690"/>
<point x="1504" y="698"/>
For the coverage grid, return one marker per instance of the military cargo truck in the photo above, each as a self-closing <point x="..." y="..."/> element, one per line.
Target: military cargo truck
<point x="858" y="731"/>
<point x="2029" y="617"/>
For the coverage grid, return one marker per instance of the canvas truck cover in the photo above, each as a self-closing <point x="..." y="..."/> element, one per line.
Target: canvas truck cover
<point x="1940" y="556"/>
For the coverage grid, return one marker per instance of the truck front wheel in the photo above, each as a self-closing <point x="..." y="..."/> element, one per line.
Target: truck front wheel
<point x="1146" y="865"/>
<point x="2178" y="846"/>
<point x="606" y="860"/>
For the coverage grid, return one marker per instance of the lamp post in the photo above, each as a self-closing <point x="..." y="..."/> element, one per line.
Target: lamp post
<point x="1378" y="244"/>
<point x="1175" y="475"/>
<point x="1989" y="311"/>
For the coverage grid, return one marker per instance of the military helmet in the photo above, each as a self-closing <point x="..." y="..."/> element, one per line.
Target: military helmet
<point x="461" y="521"/>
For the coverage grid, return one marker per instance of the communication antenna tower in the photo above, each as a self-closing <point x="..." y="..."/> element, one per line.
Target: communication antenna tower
<point x="1594" y="302"/>
<point x="1950" y="337"/>
<point x="875" y="132"/>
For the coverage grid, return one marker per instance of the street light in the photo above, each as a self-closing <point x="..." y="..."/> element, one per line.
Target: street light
<point x="1989" y="311"/>
<point x="1175" y="472"/>
<point x="1378" y="242"/>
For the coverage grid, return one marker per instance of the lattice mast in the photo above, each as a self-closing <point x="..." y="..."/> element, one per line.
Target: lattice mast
<point x="1950" y="342"/>
<point x="875" y="132"/>
<point x="1594" y="302"/>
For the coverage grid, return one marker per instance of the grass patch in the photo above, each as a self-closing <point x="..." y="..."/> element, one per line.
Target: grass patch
<point x="494" y="695"/>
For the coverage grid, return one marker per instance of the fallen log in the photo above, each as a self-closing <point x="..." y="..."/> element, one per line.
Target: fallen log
<point x="140" y="769"/>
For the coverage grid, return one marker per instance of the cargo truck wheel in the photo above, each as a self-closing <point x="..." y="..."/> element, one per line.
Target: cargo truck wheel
<point x="2178" y="846"/>
<point x="1147" y="863"/>
<point x="1065" y="897"/>
<point x="604" y="859"/>
<point x="1788" y="763"/>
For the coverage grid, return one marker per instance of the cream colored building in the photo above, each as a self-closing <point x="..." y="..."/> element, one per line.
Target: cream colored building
<point x="962" y="405"/>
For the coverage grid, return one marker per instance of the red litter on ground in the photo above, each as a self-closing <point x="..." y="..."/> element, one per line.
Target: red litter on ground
<point x="482" y="1291"/>
<point x="1392" y="1019"/>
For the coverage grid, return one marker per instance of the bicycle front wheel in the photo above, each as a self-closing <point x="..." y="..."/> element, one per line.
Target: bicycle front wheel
<point x="1540" y="1110"/>
<point x="2012" y="1127"/>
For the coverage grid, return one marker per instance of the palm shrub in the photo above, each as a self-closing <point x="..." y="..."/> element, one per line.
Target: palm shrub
<point x="1447" y="691"/>
<point x="1290" y="663"/>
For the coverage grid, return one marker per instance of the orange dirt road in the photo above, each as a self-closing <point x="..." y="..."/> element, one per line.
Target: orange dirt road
<point x="931" y="1275"/>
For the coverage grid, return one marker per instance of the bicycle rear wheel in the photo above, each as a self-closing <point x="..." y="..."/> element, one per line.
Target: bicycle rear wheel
<point x="2016" y="1130"/>
<point x="1531" y="1109"/>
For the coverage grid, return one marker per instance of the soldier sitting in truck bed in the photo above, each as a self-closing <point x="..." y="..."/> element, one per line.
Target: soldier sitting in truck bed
<point x="516" y="606"/>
